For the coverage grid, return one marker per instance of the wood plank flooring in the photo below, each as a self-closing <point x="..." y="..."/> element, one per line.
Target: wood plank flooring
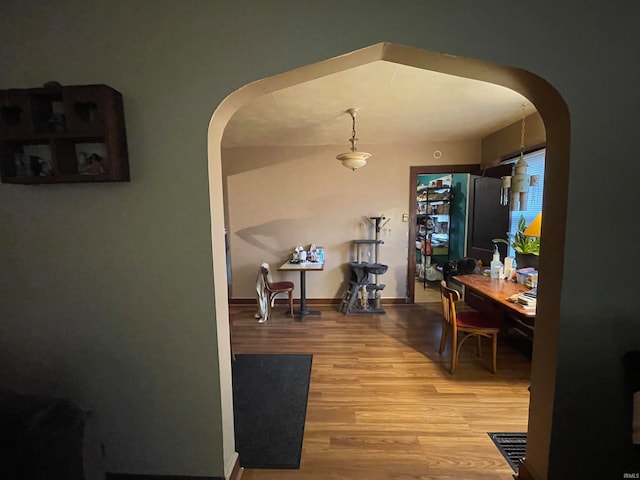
<point x="382" y="405"/>
<point x="429" y="292"/>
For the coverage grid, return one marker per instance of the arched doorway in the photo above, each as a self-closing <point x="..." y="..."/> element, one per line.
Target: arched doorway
<point x="555" y="116"/>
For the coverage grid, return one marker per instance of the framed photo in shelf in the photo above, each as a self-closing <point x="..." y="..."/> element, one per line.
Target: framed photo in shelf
<point x="92" y="158"/>
<point x="33" y="161"/>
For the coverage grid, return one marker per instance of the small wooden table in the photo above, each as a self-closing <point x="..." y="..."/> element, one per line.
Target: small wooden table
<point x="489" y="295"/>
<point x="303" y="268"/>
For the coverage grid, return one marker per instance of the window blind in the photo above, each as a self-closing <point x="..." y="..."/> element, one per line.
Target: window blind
<point x="534" y="205"/>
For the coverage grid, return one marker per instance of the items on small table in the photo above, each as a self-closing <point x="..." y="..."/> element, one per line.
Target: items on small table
<point x="303" y="268"/>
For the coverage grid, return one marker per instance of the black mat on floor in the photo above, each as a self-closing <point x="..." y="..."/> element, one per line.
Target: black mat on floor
<point x="511" y="445"/>
<point x="270" y="406"/>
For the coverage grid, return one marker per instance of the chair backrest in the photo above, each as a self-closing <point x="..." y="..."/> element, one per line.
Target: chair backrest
<point x="449" y="297"/>
<point x="264" y="268"/>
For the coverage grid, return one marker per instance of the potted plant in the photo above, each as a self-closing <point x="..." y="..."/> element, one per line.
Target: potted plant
<point x="527" y="248"/>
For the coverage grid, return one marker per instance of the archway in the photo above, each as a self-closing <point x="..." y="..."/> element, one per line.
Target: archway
<point x="556" y="119"/>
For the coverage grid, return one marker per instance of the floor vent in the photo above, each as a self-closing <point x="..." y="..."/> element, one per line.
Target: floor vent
<point x="512" y="446"/>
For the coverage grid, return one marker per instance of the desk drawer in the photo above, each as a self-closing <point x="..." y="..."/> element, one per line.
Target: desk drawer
<point x="523" y="324"/>
<point x="496" y="311"/>
<point x="484" y="305"/>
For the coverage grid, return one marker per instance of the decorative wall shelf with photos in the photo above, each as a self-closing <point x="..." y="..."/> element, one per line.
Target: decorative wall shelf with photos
<point x="58" y="134"/>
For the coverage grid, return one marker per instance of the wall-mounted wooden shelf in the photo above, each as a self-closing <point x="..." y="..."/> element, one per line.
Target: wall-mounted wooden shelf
<point x="63" y="135"/>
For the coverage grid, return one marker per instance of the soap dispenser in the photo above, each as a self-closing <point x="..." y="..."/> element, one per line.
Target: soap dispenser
<point x="496" y="264"/>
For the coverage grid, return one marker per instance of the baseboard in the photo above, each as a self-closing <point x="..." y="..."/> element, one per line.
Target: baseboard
<point x="131" y="476"/>
<point x="285" y="301"/>
<point x="525" y="472"/>
<point x="233" y="470"/>
<point x="312" y="301"/>
<point x="235" y="474"/>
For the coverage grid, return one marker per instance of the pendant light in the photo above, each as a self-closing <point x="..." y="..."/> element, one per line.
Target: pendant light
<point x="353" y="159"/>
<point x="517" y="186"/>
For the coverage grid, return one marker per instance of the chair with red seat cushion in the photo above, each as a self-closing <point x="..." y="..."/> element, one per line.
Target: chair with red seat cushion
<point x="468" y="324"/>
<point x="275" y="288"/>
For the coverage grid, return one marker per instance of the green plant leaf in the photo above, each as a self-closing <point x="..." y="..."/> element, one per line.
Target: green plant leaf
<point x="520" y="242"/>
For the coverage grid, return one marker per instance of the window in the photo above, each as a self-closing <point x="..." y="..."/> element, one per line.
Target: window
<point x="534" y="205"/>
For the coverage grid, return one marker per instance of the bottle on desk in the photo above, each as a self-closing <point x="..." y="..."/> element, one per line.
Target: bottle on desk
<point x="509" y="267"/>
<point x="496" y="265"/>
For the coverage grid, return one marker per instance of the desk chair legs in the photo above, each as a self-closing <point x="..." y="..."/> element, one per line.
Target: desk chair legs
<point x="494" y="348"/>
<point x="455" y="347"/>
<point x="272" y="299"/>
<point x="273" y="289"/>
<point x="291" y="303"/>
<point x="443" y="337"/>
<point x="468" y="324"/>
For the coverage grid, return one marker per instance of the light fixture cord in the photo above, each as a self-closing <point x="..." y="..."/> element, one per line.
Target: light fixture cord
<point x="522" y="127"/>
<point x="353" y="133"/>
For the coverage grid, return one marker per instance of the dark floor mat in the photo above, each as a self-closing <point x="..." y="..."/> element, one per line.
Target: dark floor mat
<point x="270" y="395"/>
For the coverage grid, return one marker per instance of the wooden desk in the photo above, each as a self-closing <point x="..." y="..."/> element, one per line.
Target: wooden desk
<point x="489" y="295"/>
<point x="303" y="268"/>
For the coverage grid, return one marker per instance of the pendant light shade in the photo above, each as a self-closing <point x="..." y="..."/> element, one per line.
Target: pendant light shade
<point x="353" y="159"/>
<point x="516" y="187"/>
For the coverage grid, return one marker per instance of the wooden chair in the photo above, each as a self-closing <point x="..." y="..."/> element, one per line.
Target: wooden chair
<point x="468" y="324"/>
<point x="275" y="288"/>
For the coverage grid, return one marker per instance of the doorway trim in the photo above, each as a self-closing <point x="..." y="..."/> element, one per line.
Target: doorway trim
<point x="555" y="115"/>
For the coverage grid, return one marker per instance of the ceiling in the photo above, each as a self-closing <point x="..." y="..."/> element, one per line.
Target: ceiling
<point x="396" y="103"/>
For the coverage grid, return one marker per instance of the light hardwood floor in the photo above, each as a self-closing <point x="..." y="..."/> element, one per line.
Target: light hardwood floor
<point x="382" y="405"/>
<point x="429" y="292"/>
